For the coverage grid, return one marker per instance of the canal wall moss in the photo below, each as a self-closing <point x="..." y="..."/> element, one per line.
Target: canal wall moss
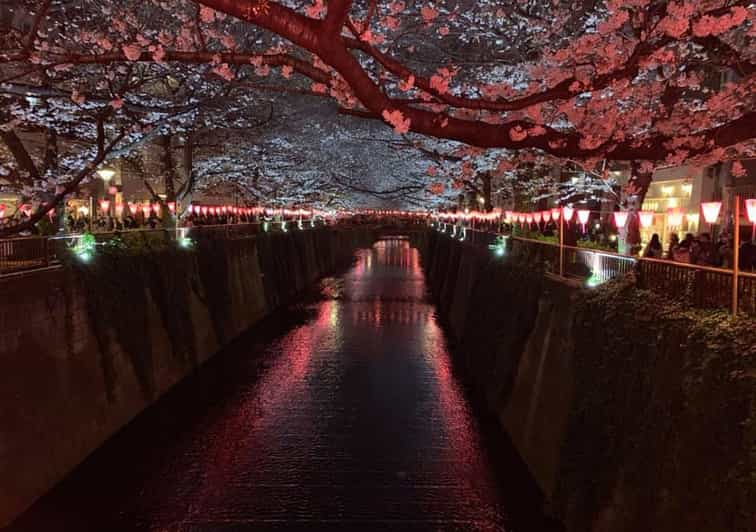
<point x="631" y="412"/>
<point x="85" y="348"/>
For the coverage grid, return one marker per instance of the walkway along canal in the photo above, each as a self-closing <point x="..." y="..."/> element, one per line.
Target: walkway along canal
<point x="343" y="413"/>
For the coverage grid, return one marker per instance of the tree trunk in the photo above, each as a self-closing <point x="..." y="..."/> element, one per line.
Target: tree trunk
<point x="169" y="168"/>
<point x="638" y="185"/>
<point x="487" y="203"/>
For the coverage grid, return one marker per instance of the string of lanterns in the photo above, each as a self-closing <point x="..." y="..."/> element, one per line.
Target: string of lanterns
<point x="148" y="208"/>
<point x="711" y="211"/>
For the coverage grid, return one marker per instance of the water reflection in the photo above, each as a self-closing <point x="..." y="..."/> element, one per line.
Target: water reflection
<point x="352" y="420"/>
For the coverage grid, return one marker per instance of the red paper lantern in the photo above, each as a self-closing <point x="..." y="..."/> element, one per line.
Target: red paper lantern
<point x="750" y="210"/>
<point x="567" y="212"/>
<point x="675" y="217"/>
<point x="710" y="211"/>
<point x="583" y="216"/>
<point x="646" y="218"/>
<point x="546" y="216"/>
<point x="104" y="205"/>
<point x="133" y="208"/>
<point x="555" y="213"/>
<point x="2" y="210"/>
<point x="172" y="206"/>
<point x="537" y="217"/>
<point x="146" y="210"/>
<point x="620" y="219"/>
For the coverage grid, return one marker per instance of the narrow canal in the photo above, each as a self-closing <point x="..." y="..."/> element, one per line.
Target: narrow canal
<point x="339" y="414"/>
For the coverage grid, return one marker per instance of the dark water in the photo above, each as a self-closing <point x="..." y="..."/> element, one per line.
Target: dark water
<point x="343" y="414"/>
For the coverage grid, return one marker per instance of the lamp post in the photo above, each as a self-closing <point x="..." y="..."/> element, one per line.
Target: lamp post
<point x="106" y="173"/>
<point x="736" y="257"/>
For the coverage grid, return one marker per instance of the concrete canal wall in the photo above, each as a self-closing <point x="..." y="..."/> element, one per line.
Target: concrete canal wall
<point x="85" y="348"/>
<point x="631" y="412"/>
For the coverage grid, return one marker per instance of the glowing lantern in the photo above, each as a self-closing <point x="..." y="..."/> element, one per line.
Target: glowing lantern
<point x="104" y="205"/>
<point x="521" y="218"/>
<point x="119" y="210"/>
<point x="711" y="211"/>
<point x="674" y="217"/>
<point x="546" y="216"/>
<point x="567" y="211"/>
<point x="190" y="209"/>
<point x="112" y="190"/>
<point x="133" y="208"/>
<point x="583" y="216"/>
<point x="146" y="210"/>
<point x="508" y="216"/>
<point x="555" y="213"/>
<point x="537" y="217"/>
<point x="204" y="210"/>
<point x="750" y="209"/>
<point x="529" y="219"/>
<point x="157" y="208"/>
<point x="646" y="218"/>
<point x="620" y="219"/>
<point x="2" y="210"/>
<point x="224" y="209"/>
<point x="172" y="206"/>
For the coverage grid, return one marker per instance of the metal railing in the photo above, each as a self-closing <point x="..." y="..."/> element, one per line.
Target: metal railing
<point x="31" y="253"/>
<point x="18" y="254"/>
<point x="695" y="285"/>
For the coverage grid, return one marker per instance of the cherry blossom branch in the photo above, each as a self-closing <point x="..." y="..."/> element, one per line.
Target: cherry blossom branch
<point x="67" y="189"/>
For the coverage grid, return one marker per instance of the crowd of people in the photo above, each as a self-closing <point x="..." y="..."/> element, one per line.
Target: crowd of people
<point x="703" y="250"/>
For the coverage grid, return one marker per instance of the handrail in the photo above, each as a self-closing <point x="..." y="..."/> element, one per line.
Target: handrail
<point x="26" y="253"/>
<point x="707" y="281"/>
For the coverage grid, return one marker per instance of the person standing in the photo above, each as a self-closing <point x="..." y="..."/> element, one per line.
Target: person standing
<point x="653" y="248"/>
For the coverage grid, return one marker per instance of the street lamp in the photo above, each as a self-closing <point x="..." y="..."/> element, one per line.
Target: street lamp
<point x="106" y="173"/>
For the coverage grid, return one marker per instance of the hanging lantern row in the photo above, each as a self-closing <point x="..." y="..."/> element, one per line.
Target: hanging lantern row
<point x="220" y="210"/>
<point x="471" y="215"/>
<point x="711" y="211"/>
<point x="547" y="216"/>
<point x="385" y="212"/>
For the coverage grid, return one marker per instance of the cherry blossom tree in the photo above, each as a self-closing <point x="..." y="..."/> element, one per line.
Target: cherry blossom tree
<point x="649" y="81"/>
